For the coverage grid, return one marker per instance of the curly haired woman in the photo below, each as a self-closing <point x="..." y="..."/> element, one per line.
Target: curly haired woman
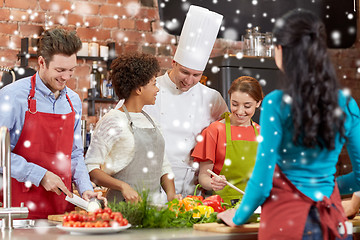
<point x="126" y="153"/>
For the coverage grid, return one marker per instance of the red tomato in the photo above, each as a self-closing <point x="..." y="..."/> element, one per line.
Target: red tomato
<point x="66" y="218"/>
<point x="107" y="210"/>
<point x="99" y="210"/>
<point x="77" y="224"/>
<point x="124" y="222"/>
<point x="68" y="224"/>
<point x="118" y="219"/>
<point x="98" y="224"/>
<point x="91" y="218"/>
<point x="74" y="217"/>
<point x="105" y="216"/>
<point x="105" y="224"/>
<point x="89" y="224"/>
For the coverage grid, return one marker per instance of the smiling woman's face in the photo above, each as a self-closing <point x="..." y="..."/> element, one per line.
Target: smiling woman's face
<point x="242" y="107"/>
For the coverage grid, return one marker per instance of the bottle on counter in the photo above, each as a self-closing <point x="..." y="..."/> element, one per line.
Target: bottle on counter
<point x="84" y="134"/>
<point x="88" y="135"/>
<point x="110" y="90"/>
<point x="95" y="79"/>
<point x="269" y="44"/>
<point x="256" y="41"/>
<point x="104" y="87"/>
<point x="248" y="42"/>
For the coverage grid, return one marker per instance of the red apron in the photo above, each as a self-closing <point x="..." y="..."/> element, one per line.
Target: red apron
<point x="284" y="213"/>
<point x="51" y="139"/>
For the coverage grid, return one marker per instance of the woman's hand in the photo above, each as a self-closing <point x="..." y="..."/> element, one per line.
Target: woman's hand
<point x="351" y="207"/>
<point x="218" y="183"/>
<point x="174" y="196"/>
<point x="227" y="217"/>
<point x="130" y="194"/>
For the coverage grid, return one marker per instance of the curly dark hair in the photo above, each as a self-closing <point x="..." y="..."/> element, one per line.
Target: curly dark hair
<point x="311" y="79"/>
<point x="132" y="70"/>
<point x="58" y="41"/>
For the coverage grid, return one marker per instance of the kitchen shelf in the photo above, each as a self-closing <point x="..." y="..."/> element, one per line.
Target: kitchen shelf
<point x="24" y="54"/>
<point x="91" y="103"/>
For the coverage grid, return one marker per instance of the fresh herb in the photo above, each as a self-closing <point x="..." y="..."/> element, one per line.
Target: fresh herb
<point x="144" y="215"/>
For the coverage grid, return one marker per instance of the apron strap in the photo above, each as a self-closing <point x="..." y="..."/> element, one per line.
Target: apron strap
<point x="149" y="118"/>
<point x="255" y="129"/>
<point x="228" y="128"/>
<point x="31" y="100"/>
<point x="67" y="97"/>
<point x="128" y="117"/>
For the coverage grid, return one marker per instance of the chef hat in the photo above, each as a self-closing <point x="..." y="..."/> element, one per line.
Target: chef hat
<point x="197" y="37"/>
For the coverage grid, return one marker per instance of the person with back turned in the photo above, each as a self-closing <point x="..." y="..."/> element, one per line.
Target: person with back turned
<point x="303" y="127"/>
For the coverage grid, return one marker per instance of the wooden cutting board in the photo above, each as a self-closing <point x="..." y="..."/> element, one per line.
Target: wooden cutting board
<point x="222" y="228"/>
<point x="355" y="221"/>
<point x="56" y="218"/>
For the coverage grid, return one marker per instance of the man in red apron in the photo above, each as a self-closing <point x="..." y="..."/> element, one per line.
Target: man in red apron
<point x="43" y="117"/>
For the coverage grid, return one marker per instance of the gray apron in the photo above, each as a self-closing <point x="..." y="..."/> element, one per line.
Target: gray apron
<point x="144" y="170"/>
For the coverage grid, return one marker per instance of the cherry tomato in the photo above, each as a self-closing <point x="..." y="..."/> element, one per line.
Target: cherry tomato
<point x="99" y="210"/>
<point x="118" y="219"/>
<point x="125" y="222"/>
<point x="68" y="224"/>
<point x="98" y="224"/>
<point x="107" y="210"/>
<point x="89" y="224"/>
<point x="105" y="224"/>
<point x="66" y="218"/>
<point x="74" y="217"/>
<point x="77" y="224"/>
<point x="105" y="216"/>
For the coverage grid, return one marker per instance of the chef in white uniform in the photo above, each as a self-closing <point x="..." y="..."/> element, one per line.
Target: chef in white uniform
<point x="184" y="107"/>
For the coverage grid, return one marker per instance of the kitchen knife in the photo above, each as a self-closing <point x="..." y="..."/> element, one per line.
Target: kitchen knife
<point x="78" y="201"/>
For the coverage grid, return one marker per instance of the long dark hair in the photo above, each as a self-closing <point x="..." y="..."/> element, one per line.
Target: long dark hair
<point x="312" y="82"/>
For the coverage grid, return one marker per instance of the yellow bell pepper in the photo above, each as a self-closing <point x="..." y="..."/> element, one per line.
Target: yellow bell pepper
<point x="203" y="210"/>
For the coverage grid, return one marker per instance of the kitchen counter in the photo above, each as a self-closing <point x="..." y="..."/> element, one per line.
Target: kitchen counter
<point x="47" y="230"/>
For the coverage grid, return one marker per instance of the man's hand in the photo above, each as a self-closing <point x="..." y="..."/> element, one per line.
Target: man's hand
<point x="52" y="182"/>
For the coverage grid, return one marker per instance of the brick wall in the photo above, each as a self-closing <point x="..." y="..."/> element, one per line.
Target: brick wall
<point x="133" y="24"/>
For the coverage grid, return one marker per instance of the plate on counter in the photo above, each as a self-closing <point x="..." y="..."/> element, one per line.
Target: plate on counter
<point x="93" y="230"/>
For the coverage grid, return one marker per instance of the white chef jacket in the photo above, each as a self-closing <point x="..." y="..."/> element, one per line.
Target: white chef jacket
<point x="182" y="116"/>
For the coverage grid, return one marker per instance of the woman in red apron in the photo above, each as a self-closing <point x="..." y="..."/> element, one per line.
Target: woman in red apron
<point x="228" y="146"/>
<point x="304" y="128"/>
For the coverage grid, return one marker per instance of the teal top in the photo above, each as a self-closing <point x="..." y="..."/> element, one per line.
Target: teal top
<point x="310" y="170"/>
